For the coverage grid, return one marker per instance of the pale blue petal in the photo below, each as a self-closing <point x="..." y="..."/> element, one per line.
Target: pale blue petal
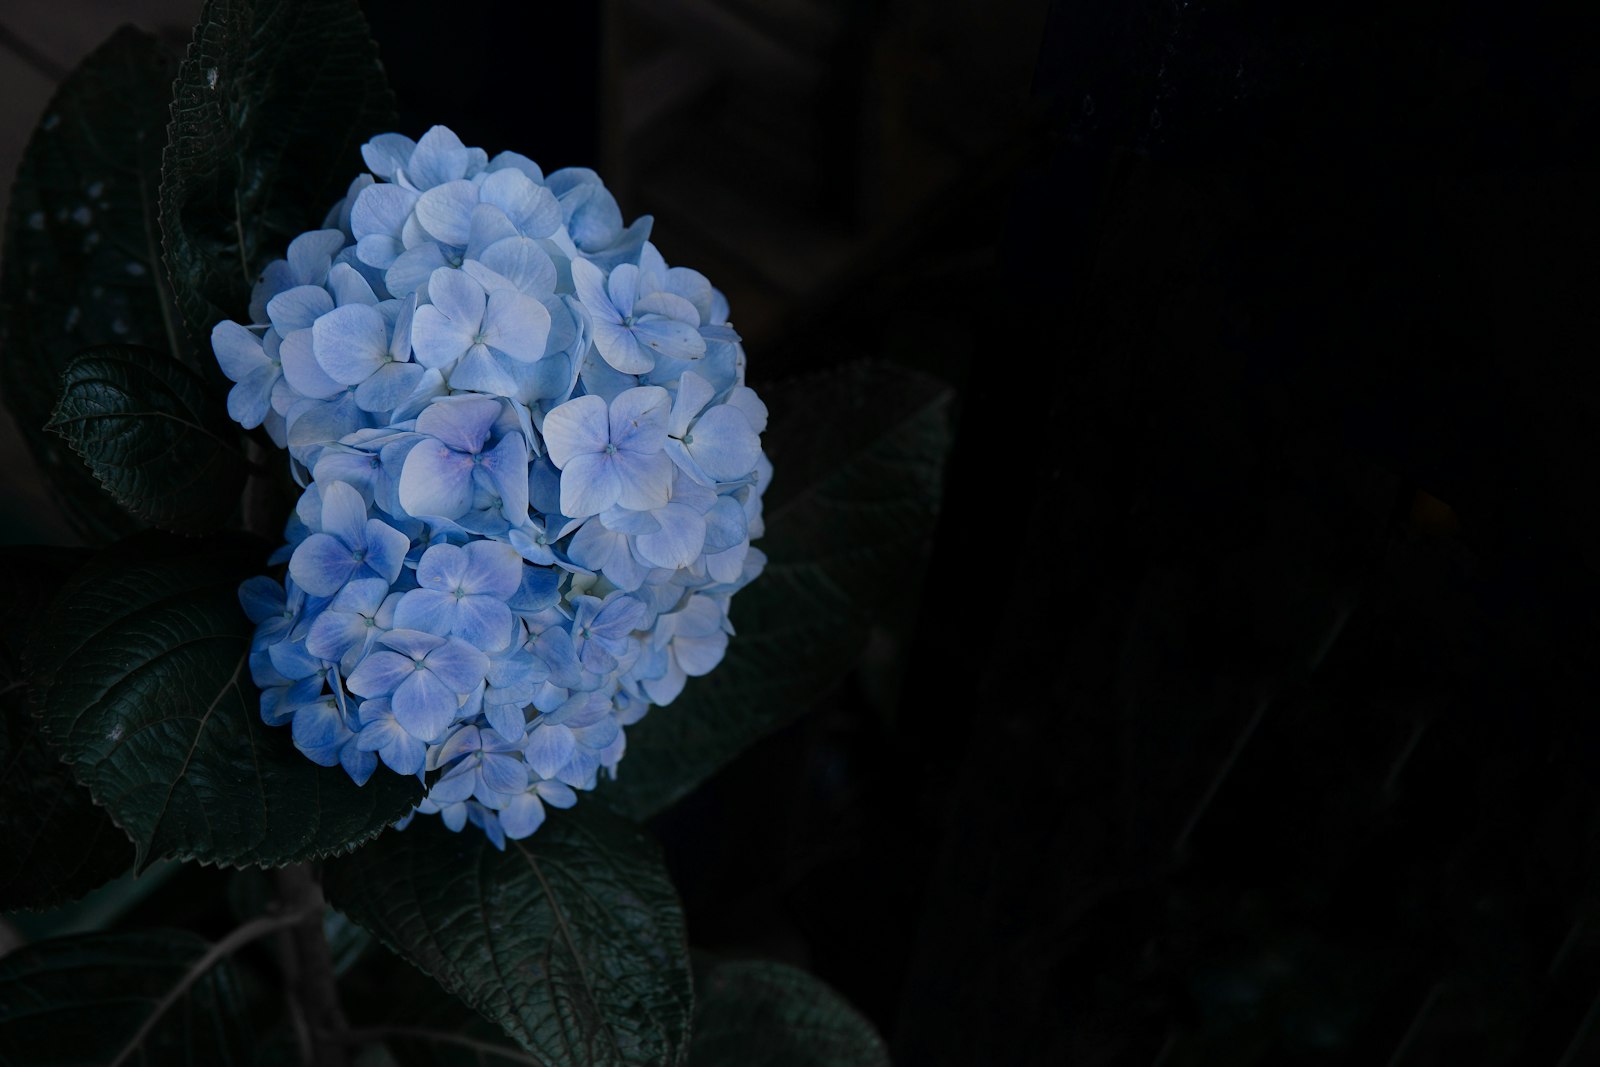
<point x="250" y="401"/>
<point x="350" y="343"/>
<point x="424" y="705"/>
<point x="480" y="371"/>
<point x="503" y="777"/>
<point x="238" y="350"/>
<point x="523" y="263"/>
<point x="638" y="419"/>
<point x="522" y="816"/>
<point x="679" y="541"/>
<point x="381" y="209"/>
<point x="343" y="514"/>
<point x="723" y="444"/>
<point x="379" y="250"/>
<point x="441" y="568"/>
<point x="620" y="348"/>
<point x="439" y="157"/>
<point x="694" y="393"/>
<point x="301" y="369"/>
<point x="462" y="423"/>
<point x="516" y="325"/>
<point x="588" y="281"/>
<point x="589" y="484"/>
<point x="379" y="673"/>
<point x="438" y="340"/>
<point x="669" y="338"/>
<point x="389" y="386"/>
<point x="508" y="720"/>
<point x="578" y="427"/>
<point x="298" y="308"/>
<point x="507" y="467"/>
<point x="321" y="565"/>
<point x="436" y="481"/>
<point x="445" y="211"/>
<point x="428" y="610"/>
<point x="319" y="731"/>
<point x="386" y="549"/>
<point x="644" y="483"/>
<point x="549" y="748"/>
<point x="412" y="269"/>
<point x="387" y="153"/>
<point x="492" y="568"/>
<point x="458" y="665"/>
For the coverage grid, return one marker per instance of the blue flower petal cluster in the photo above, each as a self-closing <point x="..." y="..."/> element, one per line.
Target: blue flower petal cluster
<point x="531" y="470"/>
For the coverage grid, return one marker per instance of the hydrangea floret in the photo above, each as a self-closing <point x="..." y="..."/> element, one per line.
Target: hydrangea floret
<point x="531" y="473"/>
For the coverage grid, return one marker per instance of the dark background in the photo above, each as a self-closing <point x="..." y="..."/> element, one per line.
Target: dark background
<point x="1247" y="713"/>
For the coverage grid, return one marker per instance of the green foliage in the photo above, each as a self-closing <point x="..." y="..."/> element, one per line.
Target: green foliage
<point x="142" y="683"/>
<point x="758" y="1012"/>
<point x="572" y="940"/>
<point x="846" y="517"/>
<point x="270" y="109"/>
<point x="85" y="1000"/>
<point x="55" y="844"/>
<point x="82" y="263"/>
<point x="152" y="435"/>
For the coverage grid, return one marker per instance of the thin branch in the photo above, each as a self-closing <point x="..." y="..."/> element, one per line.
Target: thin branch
<point x="256" y="928"/>
<point x="369" y="1035"/>
<point x="313" y="991"/>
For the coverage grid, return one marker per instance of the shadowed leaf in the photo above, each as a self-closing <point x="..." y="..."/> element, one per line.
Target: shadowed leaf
<point x="142" y="685"/>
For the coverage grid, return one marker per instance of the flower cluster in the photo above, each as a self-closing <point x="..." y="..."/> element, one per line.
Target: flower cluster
<point x="531" y="473"/>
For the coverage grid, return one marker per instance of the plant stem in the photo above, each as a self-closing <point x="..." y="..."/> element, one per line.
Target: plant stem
<point x="313" y="992"/>
<point x="240" y="937"/>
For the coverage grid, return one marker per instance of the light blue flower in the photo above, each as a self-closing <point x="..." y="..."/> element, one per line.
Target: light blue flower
<point x="710" y="444"/>
<point x="349" y="545"/>
<point x="611" y="454"/>
<point x="426" y="677"/>
<point x="629" y="326"/>
<point x="442" y="476"/>
<point x="382" y="733"/>
<point x="469" y="334"/>
<point x="531" y="474"/>
<point x="463" y="593"/>
<point x="489" y="770"/>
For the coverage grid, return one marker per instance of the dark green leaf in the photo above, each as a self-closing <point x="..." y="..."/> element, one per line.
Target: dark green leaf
<point x="847" y="515"/>
<point x="572" y="940"/>
<point x="148" y="430"/>
<point x="82" y="262"/>
<point x="420" y="1025"/>
<point x="753" y="1011"/>
<point x="142" y="685"/>
<point x="80" y="1000"/>
<point x="55" y="844"/>
<point x="271" y="107"/>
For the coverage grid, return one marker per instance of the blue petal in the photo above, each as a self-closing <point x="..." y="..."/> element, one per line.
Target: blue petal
<point x="380" y="673"/>
<point x="578" y="427"/>
<point x="549" y="748"/>
<point x="322" y="564"/>
<point x="638" y="419"/>
<point x="445" y="211"/>
<point x="424" y="705"/>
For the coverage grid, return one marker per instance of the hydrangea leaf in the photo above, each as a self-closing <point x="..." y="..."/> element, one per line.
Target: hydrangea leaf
<point x="55" y="844"/>
<point x="755" y="1011"/>
<point x="846" y="518"/>
<point x="571" y="940"/>
<point x="141" y="684"/>
<point x="86" y="999"/>
<point x="418" y="1023"/>
<point x="82" y="259"/>
<point x="153" y="436"/>
<point x="270" y="109"/>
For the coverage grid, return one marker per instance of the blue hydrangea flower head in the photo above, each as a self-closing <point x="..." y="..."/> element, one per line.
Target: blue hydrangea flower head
<point x="532" y="470"/>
